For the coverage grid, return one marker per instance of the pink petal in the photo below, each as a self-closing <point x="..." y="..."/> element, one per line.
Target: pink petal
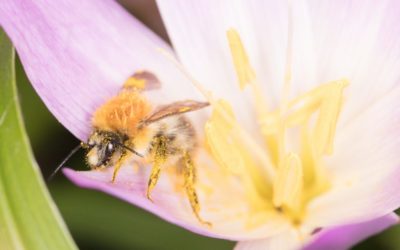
<point x="365" y="167"/>
<point x="132" y="191"/>
<point x="334" y="238"/>
<point x="288" y="240"/>
<point x="344" y="237"/>
<point x="229" y="216"/>
<point x="78" y="53"/>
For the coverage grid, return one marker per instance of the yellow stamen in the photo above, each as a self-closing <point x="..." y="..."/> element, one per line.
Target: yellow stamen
<point x="289" y="183"/>
<point x="328" y="116"/>
<point x="301" y="108"/>
<point x="245" y="72"/>
<point x="300" y="176"/>
<point x="281" y="135"/>
<point x="315" y="180"/>
<point x="284" y="181"/>
<point x="246" y="76"/>
<point x="245" y="138"/>
<point x="241" y="62"/>
<point x="218" y="128"/>
<point x="225" y="144"/>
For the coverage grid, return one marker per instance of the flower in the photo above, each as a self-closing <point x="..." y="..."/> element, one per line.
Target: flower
<point x="319" y="159"/>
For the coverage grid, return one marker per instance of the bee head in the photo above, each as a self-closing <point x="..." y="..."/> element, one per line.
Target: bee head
<point x="104" y="148"/>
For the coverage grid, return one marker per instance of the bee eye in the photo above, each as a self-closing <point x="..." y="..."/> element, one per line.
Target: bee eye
<point x="110" y="147"/>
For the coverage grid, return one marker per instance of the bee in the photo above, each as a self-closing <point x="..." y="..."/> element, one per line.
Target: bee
<point x="128" y="125"/>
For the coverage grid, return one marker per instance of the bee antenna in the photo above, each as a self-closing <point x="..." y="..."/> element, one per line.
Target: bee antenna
<point x="130" y="149"/>
<point x="73" y="151"/>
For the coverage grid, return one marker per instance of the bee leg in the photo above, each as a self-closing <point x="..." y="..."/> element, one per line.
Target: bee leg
<point x="190" y="178"/>
<point x="155" y="174"/>
<point x="118" y="165"/>
<point x="160" y="156"/>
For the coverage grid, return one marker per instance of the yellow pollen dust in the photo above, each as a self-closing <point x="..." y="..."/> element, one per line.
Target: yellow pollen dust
<point x="133" y="82"/>
<point x="276" y="177"/>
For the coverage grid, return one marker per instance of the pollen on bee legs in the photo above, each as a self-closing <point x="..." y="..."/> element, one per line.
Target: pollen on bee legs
<point x="155" y="174"/>
<point x="160" y="156"/>
<point x="190" y="176"/>
<point x="118" y="165"/>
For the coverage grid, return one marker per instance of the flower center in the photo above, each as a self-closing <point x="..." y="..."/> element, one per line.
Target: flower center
<point x="285" y="173"/>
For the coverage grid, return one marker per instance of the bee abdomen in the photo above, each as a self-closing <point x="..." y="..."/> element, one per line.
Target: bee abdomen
<point x="178" y="133"/>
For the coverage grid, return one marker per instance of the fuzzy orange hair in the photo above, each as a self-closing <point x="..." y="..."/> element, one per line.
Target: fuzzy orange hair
<point x="122" y="113"/>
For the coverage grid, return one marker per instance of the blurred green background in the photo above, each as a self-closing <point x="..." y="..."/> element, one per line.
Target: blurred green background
<point x="99" y="221"/>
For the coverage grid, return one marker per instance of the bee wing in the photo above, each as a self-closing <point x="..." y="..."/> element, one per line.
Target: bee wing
<point x="174" y="108"/>
<point x="142" y="80"/>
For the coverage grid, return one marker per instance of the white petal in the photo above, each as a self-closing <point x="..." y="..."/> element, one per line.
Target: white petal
<point x="365" y="167"/>
<point x="358" y="40"/>
<point x="198" y="32"/>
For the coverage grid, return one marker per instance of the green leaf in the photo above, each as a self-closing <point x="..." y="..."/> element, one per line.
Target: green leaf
<point x="28" y="217"/>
